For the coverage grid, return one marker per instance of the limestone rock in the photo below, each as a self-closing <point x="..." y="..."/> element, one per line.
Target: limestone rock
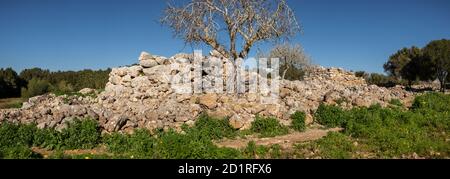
<point x="208" y="100"/>
<point x="86" y="91"/>
<point x="148" y="63"/>
<point x="236" y="122"/>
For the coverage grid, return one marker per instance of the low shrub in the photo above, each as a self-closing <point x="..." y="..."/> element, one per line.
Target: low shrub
<point x="214" y="128"/>
<point x="329" y="115"/>
<point x="298" y="121"/>
<point x="268" y="127"/>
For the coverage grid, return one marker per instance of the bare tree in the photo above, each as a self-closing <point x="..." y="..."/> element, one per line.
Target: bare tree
<point x="293" y="60"/>
<point x="249" y="21"/>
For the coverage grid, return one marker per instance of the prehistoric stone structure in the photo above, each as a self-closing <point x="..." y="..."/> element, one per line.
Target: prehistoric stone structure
<point x="141" y="96"/>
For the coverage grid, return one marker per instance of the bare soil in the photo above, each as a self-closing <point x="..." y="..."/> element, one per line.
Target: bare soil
<point x="284" y="141"/>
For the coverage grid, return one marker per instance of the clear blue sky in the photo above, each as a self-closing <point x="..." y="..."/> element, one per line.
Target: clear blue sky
<point x="96" y="34"/>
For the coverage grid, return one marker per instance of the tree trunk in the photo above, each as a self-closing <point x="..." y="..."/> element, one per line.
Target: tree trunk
<point x="287" y="68"/>
<point x="442" y="76"/>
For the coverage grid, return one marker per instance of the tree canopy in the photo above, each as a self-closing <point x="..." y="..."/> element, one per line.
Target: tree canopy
<point x="438" y="52"/>
<point x="429" y="63"/>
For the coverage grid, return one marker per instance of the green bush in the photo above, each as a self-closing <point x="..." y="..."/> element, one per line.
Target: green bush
<point x="13" y="134"/>
<point x="268" y="127"/>
<point x="330" y="115"/>
<point x="36" y="87"/>
<point x="214" y="128"/>
<point x="298" y="121"/>
<point x="48" y="138"/>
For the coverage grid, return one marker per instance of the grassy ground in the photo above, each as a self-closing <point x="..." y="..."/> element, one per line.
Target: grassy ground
<point x="11" y="103"/>
<point x="421" y="131"/>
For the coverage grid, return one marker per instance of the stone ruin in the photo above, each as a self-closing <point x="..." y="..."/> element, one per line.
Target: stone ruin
<point x="140" y="96"/>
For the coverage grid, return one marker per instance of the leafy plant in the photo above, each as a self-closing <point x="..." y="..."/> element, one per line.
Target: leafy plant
<point x="268" y="127"/>
<point x="298" y="121"/>
<point x="81" y="134"/>
<point x="330" y="115"/>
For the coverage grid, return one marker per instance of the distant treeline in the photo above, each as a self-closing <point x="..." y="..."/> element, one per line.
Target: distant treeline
<point x="36" y="81"/>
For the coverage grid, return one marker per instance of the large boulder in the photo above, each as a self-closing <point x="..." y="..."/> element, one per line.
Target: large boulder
<point x="208" y="100"/>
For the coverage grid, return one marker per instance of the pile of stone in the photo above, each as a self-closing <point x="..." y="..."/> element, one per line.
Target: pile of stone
<point x="142" y="96"/>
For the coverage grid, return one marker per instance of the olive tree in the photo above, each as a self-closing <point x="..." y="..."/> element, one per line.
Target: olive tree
<point x="438" y="52"/>
<point x="399" y="60"/>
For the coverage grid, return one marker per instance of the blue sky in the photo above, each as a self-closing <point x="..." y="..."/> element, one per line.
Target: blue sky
<point x="96" y="34"/>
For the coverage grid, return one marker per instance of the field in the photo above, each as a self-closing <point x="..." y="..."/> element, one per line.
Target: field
<point x="11" y="103"/>
<point x="420" y="131"/>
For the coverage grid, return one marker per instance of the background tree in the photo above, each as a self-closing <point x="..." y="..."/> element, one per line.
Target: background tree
<point x="60" y="82"/>
<point x="381" y="80"/>
<point x="10" y="83"/>
<point x="362" y="74"/>
<point x="418" y="67"/>
<point x="36" y="87"/>
<point x="400" y="59"/>
<point x="29" y="74"/>
<point x="438" y="52"/>
<point x="249" y="21"/>
<point x="293" y="60"/>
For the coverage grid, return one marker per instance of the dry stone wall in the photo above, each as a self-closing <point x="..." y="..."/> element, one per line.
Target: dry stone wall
<point x="141" y="96"/>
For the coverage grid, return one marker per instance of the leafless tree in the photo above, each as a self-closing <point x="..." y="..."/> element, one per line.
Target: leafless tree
<point x="293" y="60"/>
<point x="249" y="21"/>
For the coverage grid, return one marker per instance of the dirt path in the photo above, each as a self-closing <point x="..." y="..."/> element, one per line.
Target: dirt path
<point x="285" y="141"/>
<point x="46" y="153"/>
